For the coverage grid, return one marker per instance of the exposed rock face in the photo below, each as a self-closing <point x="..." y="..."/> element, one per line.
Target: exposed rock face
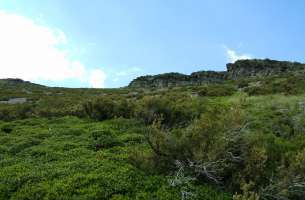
<point x="14" y="81"/>
<point x="261" y="68"/>
<point x="15" y="101"/>
<point x="203" y="77"/>
<point x="177" y="79"/>
<point x="17" y="81"/>
<point x="161" y="80"/>
<point x="237" y="70"/>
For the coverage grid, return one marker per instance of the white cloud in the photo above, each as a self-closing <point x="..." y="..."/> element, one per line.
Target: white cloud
<point x="234" y="56"/>
<point x="36" y="52"/>
<point x="97" y="78"/>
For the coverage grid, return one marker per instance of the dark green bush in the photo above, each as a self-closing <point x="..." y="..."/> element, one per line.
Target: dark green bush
<point x="242" y="83"/>
<point x="25" y="111"/>
<point x="104" y="139"/>
<point x="107" y="108"/>
<point x="124" y="108"/>
<point x="7" y="113"/>
<point x="174" y="110"/>
<point x="7" y="128"/>
<point x="100" y="109"/>
<point x="210" y="139"/>
<point x="217" y="90"/>
<point x="223" y="148"/>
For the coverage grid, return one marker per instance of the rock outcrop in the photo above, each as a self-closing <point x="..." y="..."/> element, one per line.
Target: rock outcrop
<point x="14" y="101"/>
<point x="8" y="82"/>
<point x="239" y="69"/>
<point x="261" y="68"/>
<point x="177" y="79"/>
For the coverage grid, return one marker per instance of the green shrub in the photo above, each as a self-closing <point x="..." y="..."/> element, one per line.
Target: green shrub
<point x="124" y="108"/>
<point x="7" y="113"/>
<point x="288" y="85"/>
<point x="100" y="109"/>
<point x="7" y="128"/>
<point x="217" y="90"/>
<point x="177" y="111"/>
<point x="242" y="83"/>
<point x="210" y="139"/>
<point x="22" y="144"/>
<point x="104" y="139"/>
<point x="107" y="108"/>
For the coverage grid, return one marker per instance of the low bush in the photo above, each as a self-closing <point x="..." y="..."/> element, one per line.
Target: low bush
<point x="7" y="128"/>
<point x="174" y="111"/>
<point x="217" y="90"/>
<point x="104" y="139"/>
<point x="107" y="108"/>
<point x="223" y="148"/>
<point x="210" y="140"/>
<point x="287" y="85"/>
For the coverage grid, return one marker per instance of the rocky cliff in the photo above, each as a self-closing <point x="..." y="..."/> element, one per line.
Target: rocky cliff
<point x="237" y="70"/>
<point x="261" y="68"/>
<point x="177" y="79"/>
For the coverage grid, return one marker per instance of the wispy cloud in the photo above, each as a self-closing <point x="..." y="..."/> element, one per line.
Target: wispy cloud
<point x="233" y="56"/>
<point x="34" y="52"/>
<point x="97" y="78"/>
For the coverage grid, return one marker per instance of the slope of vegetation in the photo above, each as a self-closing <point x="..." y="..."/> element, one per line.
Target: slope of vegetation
<point x="70" y="158"/>
<point x="241" y="140"/>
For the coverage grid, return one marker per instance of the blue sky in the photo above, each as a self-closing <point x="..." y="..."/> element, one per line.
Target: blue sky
<point x="107" y="43"/>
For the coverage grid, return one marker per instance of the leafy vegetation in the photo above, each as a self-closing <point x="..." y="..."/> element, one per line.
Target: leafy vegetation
<point x="58" y="159"/>
<point x="241" y="140"/>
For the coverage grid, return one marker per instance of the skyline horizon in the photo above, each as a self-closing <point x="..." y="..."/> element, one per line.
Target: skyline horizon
<point x="108" y="43"/>
<point x="149" y="75"/>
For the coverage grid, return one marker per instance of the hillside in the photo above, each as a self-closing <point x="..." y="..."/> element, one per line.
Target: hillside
<point x="238" y="70"/>
<point x="234" y="135"/>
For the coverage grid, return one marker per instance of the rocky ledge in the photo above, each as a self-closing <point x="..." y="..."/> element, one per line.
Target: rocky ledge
<point x="239" y="69"/>
<point x="262" y="68"/>
<point x="177" y="79"/>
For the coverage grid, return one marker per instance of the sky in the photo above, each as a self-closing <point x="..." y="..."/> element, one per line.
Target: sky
<point x="107" y="43"/>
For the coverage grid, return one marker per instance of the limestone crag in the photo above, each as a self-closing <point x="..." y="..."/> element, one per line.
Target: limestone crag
<point x="238" y="70"/>
<point x="177" y="79"/>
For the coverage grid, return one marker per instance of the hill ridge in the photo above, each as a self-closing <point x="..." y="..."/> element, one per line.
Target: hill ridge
<point x="237" y="70"/>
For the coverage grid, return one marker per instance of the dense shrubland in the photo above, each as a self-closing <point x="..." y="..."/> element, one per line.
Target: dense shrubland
<point x="174" y="111"/>
<point x="244" y="140"/>
<point x="258" y="157"/>
<point x="250" y="147"/>
<point x="289" y="85"/>
<point x="217" y="90"/>
<point x="71" y="158"/>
